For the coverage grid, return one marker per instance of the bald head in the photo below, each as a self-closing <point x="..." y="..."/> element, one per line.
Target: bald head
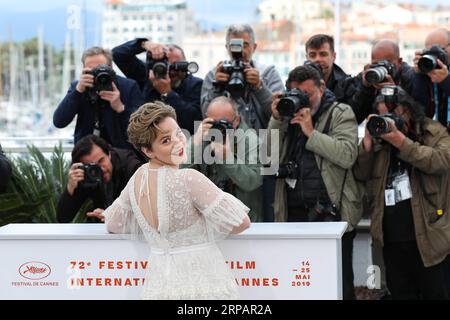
<point x="440" y="37"/>
<point x="386" y="47"/>
<point x="386" y="50"/>
<point x="223" y="108"/>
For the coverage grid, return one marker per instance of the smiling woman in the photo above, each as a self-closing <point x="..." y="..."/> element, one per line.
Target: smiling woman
<point x="180" y="212"/>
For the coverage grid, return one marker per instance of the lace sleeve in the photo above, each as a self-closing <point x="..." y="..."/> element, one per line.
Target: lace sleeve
<point x="222" y="211"/>
<point x="119" y="217"/>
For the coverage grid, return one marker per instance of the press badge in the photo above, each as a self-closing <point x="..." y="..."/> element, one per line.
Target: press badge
<point x="402" y="187"/>
<point x="389" y="197"/>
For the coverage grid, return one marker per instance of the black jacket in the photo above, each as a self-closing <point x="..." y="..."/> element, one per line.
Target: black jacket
<point x="364" y="97"/>
<point x="341" y="84"/>
<point x="424" y="92"/>
<point x="184" y="99"/>
<point x="115" y="125"/>
<point x="125" y="163"/>
<point x="5" y="171"/>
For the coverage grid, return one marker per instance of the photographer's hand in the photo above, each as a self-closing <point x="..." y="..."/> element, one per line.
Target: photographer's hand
<point x="113" y="97"/>
<point x="163" y="85"/>
<point x="395" y="137"/>
<point x="220" y="75"/>
<point x="304" y="119"/>
<point x="364" y="81"/>
<point x="86" y="80"/>
<point x="97" y="213"/>
<point x="253" y="78"/>
<point x="275" y="100"/>
<point x="368" y="140"/>
<point x="157" y="50"/>
<point x="202" y="131"/>
<point x="417" y="56"/>
<point x="388" y="82"/>
<point x="439" y="74"/>
<point x="75" y="176"/>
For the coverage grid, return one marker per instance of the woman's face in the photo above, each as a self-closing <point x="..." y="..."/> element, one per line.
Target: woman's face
<point x="169" y="147"/>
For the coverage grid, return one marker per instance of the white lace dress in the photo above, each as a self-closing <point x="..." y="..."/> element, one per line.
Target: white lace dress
<point x="181" y="214"/>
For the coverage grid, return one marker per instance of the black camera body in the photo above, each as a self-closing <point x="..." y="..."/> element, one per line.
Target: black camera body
<point x="288" y="170"/>
<point x="324" y="213"/>
<point x="428" y="62"/>
<point x="161" y="67"/>
<point x="292" y="101"/>
<point x="222" y="125"/>
<point x="379" y="71"/>
<point x="236" y="69"/>
<point x="104" y="76"/>
<point x="379" y="125"/>
<point x="93" y="176"/>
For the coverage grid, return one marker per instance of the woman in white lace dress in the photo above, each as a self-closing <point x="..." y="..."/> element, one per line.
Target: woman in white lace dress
<point x="179" y="212"/>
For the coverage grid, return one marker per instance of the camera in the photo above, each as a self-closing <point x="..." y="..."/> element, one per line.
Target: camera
<point x="93" y="176"/>
<point x="428" y="62"/>
<point x="104" y="76"/>
<point x="379" y="125"/>
<point x="236" y="69"/>
<point x="161" y="67"/>
<point x="222" y="125"/>
<point x="314" y="65"/>
<point x="391" y="95"/>
<point x="379" y="71"/>
<point x="292" y="101"/>
<point x="324" y="213"/>
<point x="288" y="170"/>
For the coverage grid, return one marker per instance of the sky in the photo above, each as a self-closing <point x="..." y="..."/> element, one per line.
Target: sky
<point x="19" y="20"/>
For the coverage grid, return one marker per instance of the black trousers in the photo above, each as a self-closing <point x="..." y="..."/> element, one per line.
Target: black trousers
<point x="406" y="276"/>
<point x="348" y="288"/>
<point x="268" y="189"/>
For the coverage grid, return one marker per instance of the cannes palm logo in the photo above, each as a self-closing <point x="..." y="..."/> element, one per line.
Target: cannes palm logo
<point x="35" y="270"/>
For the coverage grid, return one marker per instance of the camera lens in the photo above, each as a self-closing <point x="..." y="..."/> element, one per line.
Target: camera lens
<point x="103" y="78"/>
<point x="427" y="63"/>
<point x="192" y="67"/>
<point x="160" y="69"/>
<point x="376" y="75"/>
<point x="288" y="106"/>
<point x="377" y="126"/>
<point x="236" y="85"/>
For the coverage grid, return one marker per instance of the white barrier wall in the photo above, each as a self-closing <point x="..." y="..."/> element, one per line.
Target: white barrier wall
<point x="68" y="261"/>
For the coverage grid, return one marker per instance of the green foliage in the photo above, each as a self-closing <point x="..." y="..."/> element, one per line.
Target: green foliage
<point x="36" y="186"/>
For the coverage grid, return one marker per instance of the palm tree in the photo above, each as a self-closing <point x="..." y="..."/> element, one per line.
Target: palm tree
<point x="36" y="186"/>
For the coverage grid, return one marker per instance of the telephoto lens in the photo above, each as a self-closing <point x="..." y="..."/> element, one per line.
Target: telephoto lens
<point x="376" y="75"/>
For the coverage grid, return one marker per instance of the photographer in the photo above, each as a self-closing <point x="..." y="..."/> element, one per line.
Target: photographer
<point x="405" y="159"/>
<point x="386" y="68"/>
<point x="318" y="146"/>
<point x="249" y="84"/>
<point x="432" y="81"/>
<point x="178" y="88"/>
<point x="102" y="101"/>
<point x="5" y="171"/>
<point x="231" y="169"/>
<point x="98" y="172"/>
<point x="320" y="50"/>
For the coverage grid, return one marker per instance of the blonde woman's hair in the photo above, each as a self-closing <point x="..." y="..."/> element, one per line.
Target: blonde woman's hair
<point x="143" y="127"/>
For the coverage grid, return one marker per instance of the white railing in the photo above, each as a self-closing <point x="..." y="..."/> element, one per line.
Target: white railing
<point x="18" y="145"/>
